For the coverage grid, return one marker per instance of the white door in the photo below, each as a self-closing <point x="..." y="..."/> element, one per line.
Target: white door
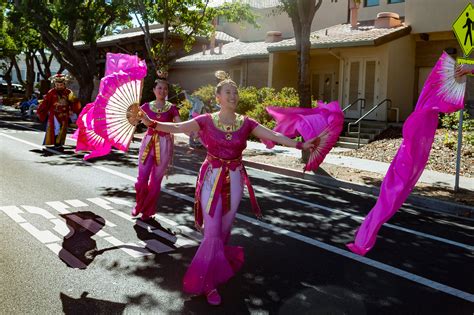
<point x="361" y="80"/>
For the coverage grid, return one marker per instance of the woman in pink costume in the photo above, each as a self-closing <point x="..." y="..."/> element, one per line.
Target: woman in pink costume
<point x="156" y="151"/>
<point x="220" y="186"/>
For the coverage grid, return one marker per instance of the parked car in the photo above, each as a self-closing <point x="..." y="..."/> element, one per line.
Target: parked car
<point x="16" y="88"/>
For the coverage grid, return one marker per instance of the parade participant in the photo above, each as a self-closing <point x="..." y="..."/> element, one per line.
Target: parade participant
<point x="220" y="186"/>
<point x="57" y="106"/>
<point x="156" y="150"/>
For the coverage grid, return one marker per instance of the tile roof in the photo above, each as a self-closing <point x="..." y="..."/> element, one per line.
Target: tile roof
<point x="257" y="4"/>
<point x="116" y="38"/>
<point x="233" y="50"/>
<point x="342" y="35"/>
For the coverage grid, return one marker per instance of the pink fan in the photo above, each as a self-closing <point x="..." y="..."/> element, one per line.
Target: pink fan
<point x="117" y="105"/>
<point x="87" y="138"/>
<point x="323" y="124"/>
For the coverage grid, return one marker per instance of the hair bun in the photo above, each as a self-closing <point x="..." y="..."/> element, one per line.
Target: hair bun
<point x="222" y="75"/>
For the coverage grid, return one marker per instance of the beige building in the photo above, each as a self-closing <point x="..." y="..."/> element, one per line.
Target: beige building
<point x="384" y="60"/>
<point x="247" y="58"/>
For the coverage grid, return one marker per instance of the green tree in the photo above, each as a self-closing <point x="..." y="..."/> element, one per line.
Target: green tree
<point x="62" y="23"/>
<point x="8" y="47"/>
<point x="183" y="19"/>
<point x="301" y="13"/>
<point x="28" y="42"/>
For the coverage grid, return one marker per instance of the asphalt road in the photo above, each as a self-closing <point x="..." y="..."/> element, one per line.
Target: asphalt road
<point x="69" y="245"/>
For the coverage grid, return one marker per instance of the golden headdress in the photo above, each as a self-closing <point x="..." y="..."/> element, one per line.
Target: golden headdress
<point x="59" y="78"/>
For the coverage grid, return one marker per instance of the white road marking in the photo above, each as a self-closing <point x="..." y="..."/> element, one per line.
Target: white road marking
<point x="373" y="263"/>
<point x="58" y="206"/>
<point x="42" y="236"/>
<point x="65" y="255"/>
<point x="267" y="192"/>
<point x="361" y="218"/>
<point x="119" y="201"/>
<point x="156" y="246"/>
<point x="129" y="248"/>
<point x="104" y="204"/>
<point x="61" y="227"/>
<point x="14" y="213"/>
<point x="177" y="240"/>
<point x="378" y="265"/>
<point x="35" y="210"/>
<point x="76" y="203"/>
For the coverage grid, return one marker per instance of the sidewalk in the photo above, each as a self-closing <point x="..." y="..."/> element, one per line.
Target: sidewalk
<point x="428" y="177"/>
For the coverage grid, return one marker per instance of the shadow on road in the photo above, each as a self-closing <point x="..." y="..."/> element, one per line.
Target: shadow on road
<point x="87" y="305"/>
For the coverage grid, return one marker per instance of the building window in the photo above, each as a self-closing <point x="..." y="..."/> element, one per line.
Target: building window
<point x="371" y="3"/>
<point x="395" y="1"/>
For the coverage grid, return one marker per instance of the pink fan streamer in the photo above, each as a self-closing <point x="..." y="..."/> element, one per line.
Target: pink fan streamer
<point x="110" y="84"/>
<point x="87" y="139"/>
<point x="441" y="93"/>
<point x="325" y="121"/>
<point x="90" y="134"/>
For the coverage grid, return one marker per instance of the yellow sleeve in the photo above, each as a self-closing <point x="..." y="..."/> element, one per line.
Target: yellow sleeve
<point x="71" y="97"/>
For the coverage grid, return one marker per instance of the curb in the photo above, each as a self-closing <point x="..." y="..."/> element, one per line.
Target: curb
<point x="431" y="204"/>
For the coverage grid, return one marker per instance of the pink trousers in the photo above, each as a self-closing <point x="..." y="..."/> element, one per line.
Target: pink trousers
<point x="215" y="262"/>
<point x="150" y="175"/>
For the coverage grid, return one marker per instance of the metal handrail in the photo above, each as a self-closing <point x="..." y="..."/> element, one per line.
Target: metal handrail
<point x="355" y="102"/>
<point x="389" y="101"/>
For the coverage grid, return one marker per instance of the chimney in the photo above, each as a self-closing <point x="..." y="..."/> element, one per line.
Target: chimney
<point x="354" y="7"/>
<point x="213" y="37"/>
<point x="273" y="37"/>
<point x="387" y="20"/>
<point x="204" y="46"/>
<point x="220" y="48"/>
<point x="213" y="43"/>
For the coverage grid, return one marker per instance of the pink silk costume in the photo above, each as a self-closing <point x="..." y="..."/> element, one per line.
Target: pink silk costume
<point x="409" y="162"/>
<point x="154" y="157"/>
<point x="218" y="193"/>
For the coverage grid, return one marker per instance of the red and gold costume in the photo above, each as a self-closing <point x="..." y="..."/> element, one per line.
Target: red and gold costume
<point x="56" y="108"/>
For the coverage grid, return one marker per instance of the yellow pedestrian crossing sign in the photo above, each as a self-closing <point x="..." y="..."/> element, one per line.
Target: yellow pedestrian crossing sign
<point x="463" y="27"/>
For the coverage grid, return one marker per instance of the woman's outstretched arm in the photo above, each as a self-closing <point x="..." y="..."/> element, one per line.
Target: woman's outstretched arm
<point x="267" y="134"/>
<point x="175" y="127"/>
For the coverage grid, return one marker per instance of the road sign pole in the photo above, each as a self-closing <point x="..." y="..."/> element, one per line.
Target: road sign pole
<point x="458" y="153"/>
<point x="463" y="28"/>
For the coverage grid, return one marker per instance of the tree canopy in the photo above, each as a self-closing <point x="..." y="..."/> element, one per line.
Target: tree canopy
<point x="185" y="19"/>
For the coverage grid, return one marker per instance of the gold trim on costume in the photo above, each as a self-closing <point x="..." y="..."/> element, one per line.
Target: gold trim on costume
<point x="166" y="107"/>
<point x="213" y="191"/>
<point x="155" y="140"/>
<point x="239" y="120"/>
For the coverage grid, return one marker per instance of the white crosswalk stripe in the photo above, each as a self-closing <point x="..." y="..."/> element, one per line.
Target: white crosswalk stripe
<point x="66" y="212"/>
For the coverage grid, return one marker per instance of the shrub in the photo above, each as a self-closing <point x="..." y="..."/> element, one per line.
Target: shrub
<point x="248" y="99"/>
<point x="206" y="94"/>
<point x="287" y="97"/>
<point x="451" y="121"/>
<point x="184" y="108"/>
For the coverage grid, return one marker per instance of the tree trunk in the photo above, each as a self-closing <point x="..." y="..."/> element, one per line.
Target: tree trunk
<point x="30" y="73"/>
<point x="85" y="90"/>
<point x="8" y="78"/>
<point x="304" y="75"/>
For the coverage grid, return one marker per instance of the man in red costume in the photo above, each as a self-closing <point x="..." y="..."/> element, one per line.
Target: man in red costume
<point x="57" y="106"/>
